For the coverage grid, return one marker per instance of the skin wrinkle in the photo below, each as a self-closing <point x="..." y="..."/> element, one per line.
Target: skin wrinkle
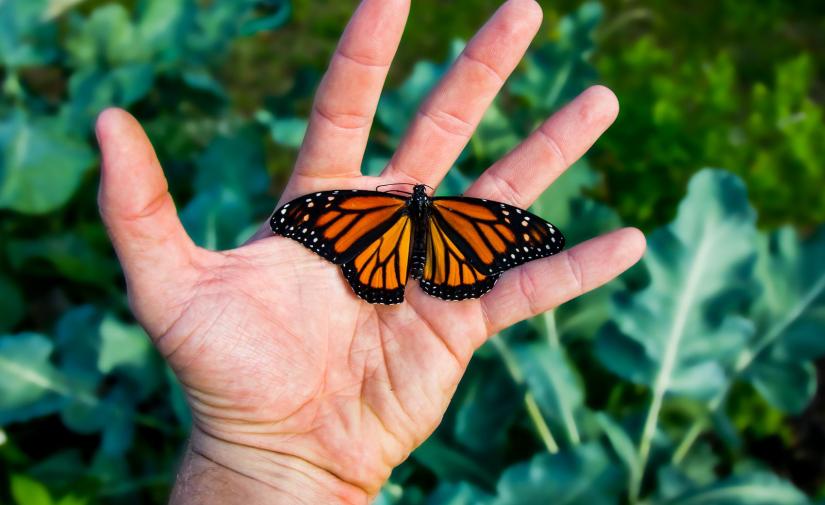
<point x="334" y="118"/>
<point x="181" y="367"/>
<point x="366" y="403"/>
<point x="320" y="425"/>
<point x="458" y="359"/>
<point x="159" y="341"/>
<point x="363" y="60"/>
<point x="494" y="72"/>
<point x="511" y="194"/>
<point x="385" y="360"/>
<point x="324" y="468"/>
<point x="545" y="133"/>
<point x="447" y="122"/>
<point x="530" y="290"/>
<point x="198" y="452"/>
<point x="147" y="211"/>
<point x="576" y="273"/>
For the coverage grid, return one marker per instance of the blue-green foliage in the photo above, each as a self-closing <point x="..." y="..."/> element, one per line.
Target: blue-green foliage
<point x="641" y="390"/>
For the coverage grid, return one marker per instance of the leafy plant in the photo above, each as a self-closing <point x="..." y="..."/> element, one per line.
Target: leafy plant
<point x="643" y="391"/>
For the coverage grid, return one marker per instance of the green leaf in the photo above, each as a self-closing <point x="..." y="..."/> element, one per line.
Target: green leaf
<point x="699" y="469"/>
<point x="285" y="131"/>
<point x="27" y="491"/>
<point x="752" y="489"/>
<point x="234" y="162"/>
<point x="73" y="256"/>
<point x="215" y="218"/>
<point x="92" y="89"/>
<point x="26" y="39"/>
<point x="277" y="15"/>
<point x="107" y="38"/>
<point x="670" y="337"/>
<point x="583" y="474"/>
<point x="495" y="135"/>
<point x="554" y="382"/>
<point x="119" y="429"/>
<point x="621" y="443"/>
<point x="461" y="493"/>
<point x="77" y="336"/>
<point x="679" y="334"/>
<point x="72" y="500"/>
<point x="27" y="378"/>
<point x="790" y="320"/>
<point x="486" y="409"/>
<point x="123" y="346"/>
<point x="41" y="166"/>
<point x="787" y="385"/>
<point x="12" y="309"/>
<point x="162" y="25"/>
<point x="61" y="469"/>
<point x="450" y="464"/>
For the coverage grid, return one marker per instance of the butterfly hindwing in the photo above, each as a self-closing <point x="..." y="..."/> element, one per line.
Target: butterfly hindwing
<point x="338" y="224"/>
<point x="494" y="236"/>
<point x="447" y="273"/>
<point x="378" y="273"/>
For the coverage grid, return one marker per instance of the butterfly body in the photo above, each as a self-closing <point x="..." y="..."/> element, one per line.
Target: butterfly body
<point x="419" y="207"/>
<point x="456" y="247"/>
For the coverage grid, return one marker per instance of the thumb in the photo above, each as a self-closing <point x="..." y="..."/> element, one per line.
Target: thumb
<point x="140" y="217"/>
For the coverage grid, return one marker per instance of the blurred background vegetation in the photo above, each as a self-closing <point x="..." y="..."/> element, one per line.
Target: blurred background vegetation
<point x="693" y="379"/>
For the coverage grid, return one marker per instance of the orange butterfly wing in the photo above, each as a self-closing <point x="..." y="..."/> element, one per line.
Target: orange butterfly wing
<point x="447" y="273"/>
<point x="338" y="224"/>
<point x="378" y="274"/>
<point x="495" y="236"/>
<point x="366" y="232"/>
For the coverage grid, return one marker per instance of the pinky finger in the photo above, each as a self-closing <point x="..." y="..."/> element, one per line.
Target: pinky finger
<point x="542" y="285"/>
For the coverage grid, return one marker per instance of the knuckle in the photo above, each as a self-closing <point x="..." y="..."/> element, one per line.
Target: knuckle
<point x="448" y="122"/>
<point x="507" y="190"/>
<point x="549" y="139"/>
<point x="342" y="120"/>
<point x="480" y="62"/>
<point x="530" y="291"/>
<point x="575" y="270"/>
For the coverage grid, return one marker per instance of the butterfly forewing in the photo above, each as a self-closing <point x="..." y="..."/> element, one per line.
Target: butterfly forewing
<point x="338" y="224"/>
<point x="495" y="236"/>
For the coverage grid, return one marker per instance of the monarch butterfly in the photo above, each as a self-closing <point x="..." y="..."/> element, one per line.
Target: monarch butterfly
<point x="457" y="247"/>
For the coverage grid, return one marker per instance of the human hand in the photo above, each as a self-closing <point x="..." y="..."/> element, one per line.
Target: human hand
<point x="299" y="390"/>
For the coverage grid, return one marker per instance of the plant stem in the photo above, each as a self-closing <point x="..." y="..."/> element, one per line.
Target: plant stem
<point x="533" y="410"/>
<point x="687" y="442"/>
<point x="552" y="331"/>
<point x="541" y="426"/>
<point x="671" y="352"/>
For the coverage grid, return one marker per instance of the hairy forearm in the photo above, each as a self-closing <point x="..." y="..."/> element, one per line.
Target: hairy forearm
<point x="217" y="472"/>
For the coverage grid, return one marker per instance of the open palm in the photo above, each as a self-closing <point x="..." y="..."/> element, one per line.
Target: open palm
<point x="286" y="371"/>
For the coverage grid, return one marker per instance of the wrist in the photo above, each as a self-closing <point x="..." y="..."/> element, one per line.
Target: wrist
<point x="216" y="471"/>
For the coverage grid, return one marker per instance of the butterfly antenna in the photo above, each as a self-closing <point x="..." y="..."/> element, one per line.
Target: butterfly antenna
<point x="404" y="184"/>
